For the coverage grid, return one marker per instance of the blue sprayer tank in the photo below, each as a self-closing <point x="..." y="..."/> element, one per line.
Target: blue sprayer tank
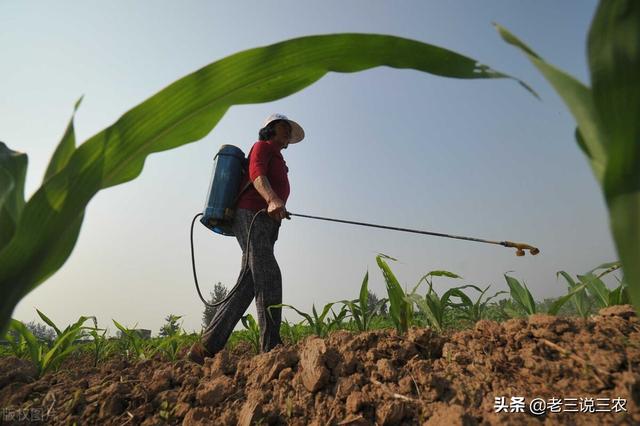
<point x="228" y="170"/>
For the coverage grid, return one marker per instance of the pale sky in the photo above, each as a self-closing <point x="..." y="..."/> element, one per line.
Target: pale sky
<point x="396" y="147"/>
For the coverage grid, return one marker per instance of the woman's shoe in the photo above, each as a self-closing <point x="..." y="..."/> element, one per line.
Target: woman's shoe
<point x="197" y="353"/>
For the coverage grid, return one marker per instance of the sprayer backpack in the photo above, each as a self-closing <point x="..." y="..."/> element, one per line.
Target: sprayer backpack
<point x="229" y="167"/>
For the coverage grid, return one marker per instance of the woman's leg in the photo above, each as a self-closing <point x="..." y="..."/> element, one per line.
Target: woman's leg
<point x="228" y="314"/>
<point x="267" y="280"/>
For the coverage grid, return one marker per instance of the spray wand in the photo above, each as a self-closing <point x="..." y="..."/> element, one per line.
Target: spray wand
<point x="520" y="247"/>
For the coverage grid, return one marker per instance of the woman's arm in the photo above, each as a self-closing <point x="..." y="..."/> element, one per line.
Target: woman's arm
<point x="275" y="206"/>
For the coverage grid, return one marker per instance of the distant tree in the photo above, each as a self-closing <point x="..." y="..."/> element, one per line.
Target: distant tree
<point x="41" y="331"/>
<point x="219" y="293"/>
<point x="374" y="304"/>
<point x="171" y="328"/>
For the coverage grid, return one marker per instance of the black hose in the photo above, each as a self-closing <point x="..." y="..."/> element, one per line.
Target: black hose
<point x="245" y="267"/>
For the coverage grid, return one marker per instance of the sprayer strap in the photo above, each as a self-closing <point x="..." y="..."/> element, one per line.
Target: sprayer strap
<point x="246" y="185"/>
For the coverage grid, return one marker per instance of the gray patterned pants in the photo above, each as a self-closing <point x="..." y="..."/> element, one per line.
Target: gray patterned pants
<point x="262" y="281"/>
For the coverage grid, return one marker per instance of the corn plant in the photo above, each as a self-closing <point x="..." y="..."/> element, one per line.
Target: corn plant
<point x="44" y="358"/>
<point x="598" y="289"/>
<point x="523" y="299"/>
<point x="336" y="321"/>
<point x="134" y="343"/>
<point x="474" y="311"/>
<point x="292" y="332"/>
<point x="318" y="324"/>
<point x="432" y="306"/>
<point x="170" y="347"/>
<point x="98" y="343"/>
<point x="608" y="129"/>
<point x="401" y="309"/>
<point x="174" y="338"/>
<point x="78" y="324"/>
<point x="37" y="236"/>
<point x="580" y="301"/>
<point x="253" y="329"/>
<point x="17" y="343"/>
<point x="360" y="311"/>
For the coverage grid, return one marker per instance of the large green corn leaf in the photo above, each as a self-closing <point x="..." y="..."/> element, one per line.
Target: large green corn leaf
<point x="65" y="148"/>
<point x="607" y="117"/>
<point x="185" y="112"/>
<point x="7" y="185"/>
<point x="13" y="171"/>
<point x="578" y="99"/>
<point x="614" y="62"/>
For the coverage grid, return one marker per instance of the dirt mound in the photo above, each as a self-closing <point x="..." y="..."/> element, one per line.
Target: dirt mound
<point x="377" y="377"/>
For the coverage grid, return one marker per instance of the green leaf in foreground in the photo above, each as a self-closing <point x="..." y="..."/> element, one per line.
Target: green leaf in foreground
<point x="184" y="112"/>
<point x="614" y="63"/>
<point x="13" y="172"/>
<point x="607" y="118"/>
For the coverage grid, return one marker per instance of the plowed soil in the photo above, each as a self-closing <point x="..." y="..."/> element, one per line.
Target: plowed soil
<point x="377" y="377"/>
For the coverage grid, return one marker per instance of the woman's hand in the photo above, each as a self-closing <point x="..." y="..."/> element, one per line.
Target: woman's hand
<point x="276" y="209"/>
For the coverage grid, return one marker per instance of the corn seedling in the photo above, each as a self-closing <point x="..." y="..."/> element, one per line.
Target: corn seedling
<point x="317" y="322"/>
<point x="523" y="299"/>
<point x="170" y="347"/>
<point x="360" y="311"/>
<point x="603" y="296"/>
<point x="580" y="300"/>
<point x="401" y="310"/>
<point x="77" y="325"/>
<point x="292" y="332"/>
<point x="98" y="343"/>
<point x="17" y="343"/>
<point x="474" y="311"/>
<point x="253" y="329"/>
<point x="133" y="343"/>
<point x="432" y="306"/>
<point x="337" y="320"/>
<point x="44" y="358"/>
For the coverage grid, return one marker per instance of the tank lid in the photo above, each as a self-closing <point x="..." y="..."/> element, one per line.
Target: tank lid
<point x="231" y="150"/>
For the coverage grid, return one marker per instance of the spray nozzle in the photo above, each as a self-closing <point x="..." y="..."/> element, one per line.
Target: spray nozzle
<point x="520" y="248"/>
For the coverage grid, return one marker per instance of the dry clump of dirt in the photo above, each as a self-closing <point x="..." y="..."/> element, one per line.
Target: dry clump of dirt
<point x="377" y="377"/>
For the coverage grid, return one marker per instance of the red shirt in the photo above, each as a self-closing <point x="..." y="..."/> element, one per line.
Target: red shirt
<point x="265" y="159"/>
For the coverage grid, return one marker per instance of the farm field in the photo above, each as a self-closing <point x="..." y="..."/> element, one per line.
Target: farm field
<point x="372" y="377"/>
<point x="443" y="154"/>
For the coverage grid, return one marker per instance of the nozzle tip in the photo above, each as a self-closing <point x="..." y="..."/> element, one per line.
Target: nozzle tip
<point x="534" y="251"/>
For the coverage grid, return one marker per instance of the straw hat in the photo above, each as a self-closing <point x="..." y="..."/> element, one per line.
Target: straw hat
<point x="297" y="133"/>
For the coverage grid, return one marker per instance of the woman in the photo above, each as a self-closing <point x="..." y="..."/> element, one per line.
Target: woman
<point x="269" y="190"/>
